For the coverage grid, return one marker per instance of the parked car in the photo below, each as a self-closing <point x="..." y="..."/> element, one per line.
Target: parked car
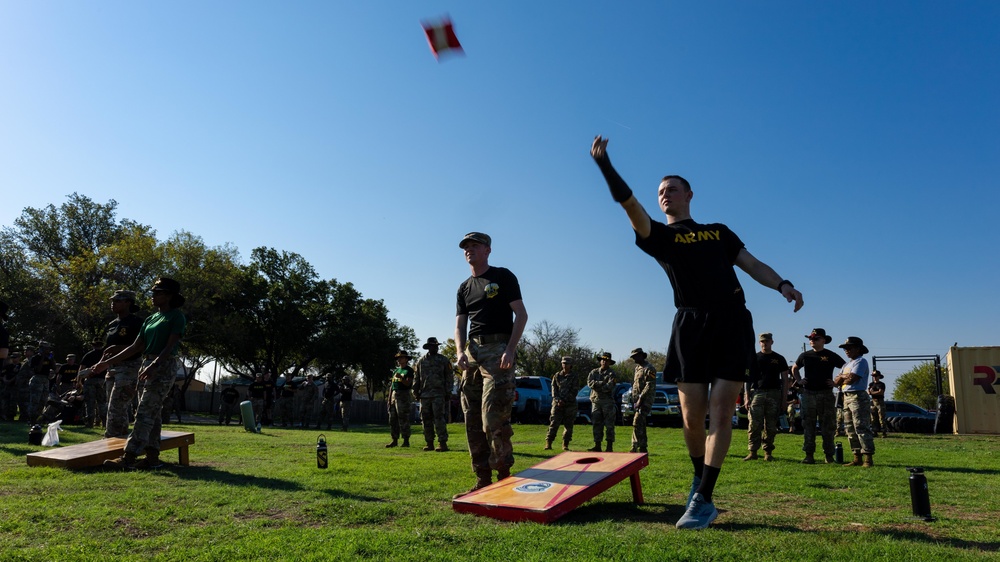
<point x="666" y="409"/>
<point x="583" y="403"/>
<point x="532" y="399"/>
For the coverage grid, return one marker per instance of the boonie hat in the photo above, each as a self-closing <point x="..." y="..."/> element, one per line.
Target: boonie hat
<point x="877" y="374"/>
<point x="854" y="341"/>
<point x="606" y="357"/>
<point x="431" y="342"/>
<point x="637" y="351"/>
<point x="402" y="353"/>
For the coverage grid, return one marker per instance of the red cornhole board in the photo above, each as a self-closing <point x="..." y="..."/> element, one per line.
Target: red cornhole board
<point x="553" y="488"/>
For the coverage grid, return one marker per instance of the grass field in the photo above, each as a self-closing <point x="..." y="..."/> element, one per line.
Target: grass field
<point x="261" y="497"/>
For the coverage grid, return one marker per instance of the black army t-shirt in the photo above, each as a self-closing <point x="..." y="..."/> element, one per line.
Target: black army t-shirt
<point x="770" y="366"/>
<point x="698" y="259"/>
<point x="123" y="331"/>
<point x="486" y="301"/>
<point x="819" y="366"/>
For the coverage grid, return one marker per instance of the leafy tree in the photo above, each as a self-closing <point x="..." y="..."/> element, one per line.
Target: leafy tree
<point x="540" y="351"/>
<point x="919" y="386"/>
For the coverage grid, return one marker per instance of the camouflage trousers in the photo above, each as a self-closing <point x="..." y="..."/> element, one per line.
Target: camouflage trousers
<point x="345" y="413"/>
<point x="23" y="402"/>
<point x="326" y="412"/>
<point x="878" y="417"/>
<point x="38" y="391"/>
<point x="8" y="401"/>
<point x="94" y="401"/>
<point x="148" y="416"/>
<point x="283" y="410"/>
<point x="399" y="415"/>
<point x="434" y="417"/>
<point x="857" y="422"/>
<point x="123" y="393"/>
<point x="763" y="412"/>
<point x="487" y="400"/>
<point x="602" y="415"/>
<point x="565" y="416"/>
<point x="818" y="405"/>
<point x="639" y="419"/>
<point x="308" y="407"/>
<point x="258" y="409"/>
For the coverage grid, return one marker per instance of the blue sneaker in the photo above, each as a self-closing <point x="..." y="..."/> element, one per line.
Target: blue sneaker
<point x="695" y="484"/>
<point x="699" y="514"/>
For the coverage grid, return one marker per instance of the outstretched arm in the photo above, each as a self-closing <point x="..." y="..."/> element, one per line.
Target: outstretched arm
<point x="763" y="274"/>
<point x="620" y="190"/>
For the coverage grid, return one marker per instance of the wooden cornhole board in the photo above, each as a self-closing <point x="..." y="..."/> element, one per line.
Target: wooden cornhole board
<point x="553" y="488"/>
<point x="95" y="453"/>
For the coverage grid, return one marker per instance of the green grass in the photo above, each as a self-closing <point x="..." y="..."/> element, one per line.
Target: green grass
<point x="261" y="497"/>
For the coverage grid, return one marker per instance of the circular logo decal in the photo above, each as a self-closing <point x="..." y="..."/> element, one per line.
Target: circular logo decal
<point x="533" y="487"/>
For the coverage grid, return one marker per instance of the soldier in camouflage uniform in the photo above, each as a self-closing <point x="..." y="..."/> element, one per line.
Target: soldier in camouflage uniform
<point x="433" y="374"/>
<point x="565" y="386"/>
<point x="400" y="402"/>
<point x="8" y="401"/>
<point x="602" y="382"/>
<point x="307" y="395"/>
<point x="346" y="389"/>
<point x="21" y="380"/>
<point x="643" y="393"/>
<point x="124" y="378"/>
<point x="328" y="406"/>
<point x="876" y="389"/>
<point x="489" y="320"/>
<point x="766" y="392"/>
<point x="42" y="368"/>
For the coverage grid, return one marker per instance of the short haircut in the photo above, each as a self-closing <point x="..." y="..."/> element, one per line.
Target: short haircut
<point x="684" y="182"/>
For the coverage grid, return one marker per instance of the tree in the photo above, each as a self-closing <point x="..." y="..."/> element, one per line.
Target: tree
<point x="540" y="351"/>
<point x="919" y="386"/>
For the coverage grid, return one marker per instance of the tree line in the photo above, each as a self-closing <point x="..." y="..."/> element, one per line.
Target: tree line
<point x="60" y="265"/>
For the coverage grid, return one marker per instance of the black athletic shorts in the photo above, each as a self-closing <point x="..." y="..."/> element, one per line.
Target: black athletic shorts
<point x="709" y="345"/>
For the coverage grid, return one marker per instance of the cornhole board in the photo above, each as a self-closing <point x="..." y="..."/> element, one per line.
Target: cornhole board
<point x="553" y="488"/>
<point x="95" y="453"/>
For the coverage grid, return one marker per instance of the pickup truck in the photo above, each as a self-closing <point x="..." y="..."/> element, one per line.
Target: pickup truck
<point x="532" y="399"/>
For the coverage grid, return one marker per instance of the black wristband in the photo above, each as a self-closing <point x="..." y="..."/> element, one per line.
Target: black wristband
<point x="783" y="283"/>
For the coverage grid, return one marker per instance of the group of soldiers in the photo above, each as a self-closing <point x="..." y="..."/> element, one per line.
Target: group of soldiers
<point x="603" y="404"/>
<point x="32" y="379"/>
<point x="855" y="397"/>
<point x="278" y="404"/>
<point x="429" y="381"/>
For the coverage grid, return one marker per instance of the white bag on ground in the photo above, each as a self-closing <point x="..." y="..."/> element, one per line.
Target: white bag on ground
<point x="51" y="438"/>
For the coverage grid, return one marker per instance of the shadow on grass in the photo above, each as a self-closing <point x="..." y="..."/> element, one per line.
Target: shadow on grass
<point x="597" y="511"/>
<point x="993" y="546"/>
<point x="18" y="451"/>
<point x="928" y="469"/>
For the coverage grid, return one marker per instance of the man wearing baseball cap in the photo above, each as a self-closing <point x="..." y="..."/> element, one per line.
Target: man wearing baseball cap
<point x="766" y="395"/>
<point x="489" y="320"/>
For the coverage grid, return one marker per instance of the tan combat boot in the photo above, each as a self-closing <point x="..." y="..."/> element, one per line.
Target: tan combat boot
<point x="565" y="445"/>
<point x="124" y="462"/>
<point x="751" y="457"/>
<point x="429" y="446"/>
<point x="609" y="449"/>
<point x="768" y="456"/>
<point x="856" y="461"/>
<point x="394" y="443"/>
<point x="596" y="448"/>
<point x="809" y="459"/>
<point x="443" y="447"/>
<point x="869" y="460"/>
<point x="548" y="445"/>
<point x="483" y="479"/>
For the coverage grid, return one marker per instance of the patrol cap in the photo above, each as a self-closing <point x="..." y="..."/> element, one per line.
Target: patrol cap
<point x="30" y="347"/>
<point x="73" y="355"/>
<point x="44" y="344"/>
<point x="567" y="359"/>
<point x="123" y="295"/>
<point x="766" y="336"/>
<point x="483" y="239"/>
<point x="635" y="352"/>
<point x="15" y="355"/>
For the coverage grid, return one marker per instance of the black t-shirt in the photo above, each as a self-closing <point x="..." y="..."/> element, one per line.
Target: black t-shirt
<point x="42" y="365"/>
<point x="123" y="331"/>
<point x="346" y="392"/>
<point x="67" y="373"/>
<point x="257" y="390"/>
<point x="287" y="390"/>
<point x="876" y="387"/>
<point x="230" y="395"/>
<point x="819" y="366"/>
<point x="486" y="301"/>
<point x="769" y="369"/>
<point x="331" y="390"/>
<point x="698" y="259"/>
<point x="91" y="357"/>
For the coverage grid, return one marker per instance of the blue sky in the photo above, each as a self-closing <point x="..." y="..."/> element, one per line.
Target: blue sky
<point x="852" y="145"/>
